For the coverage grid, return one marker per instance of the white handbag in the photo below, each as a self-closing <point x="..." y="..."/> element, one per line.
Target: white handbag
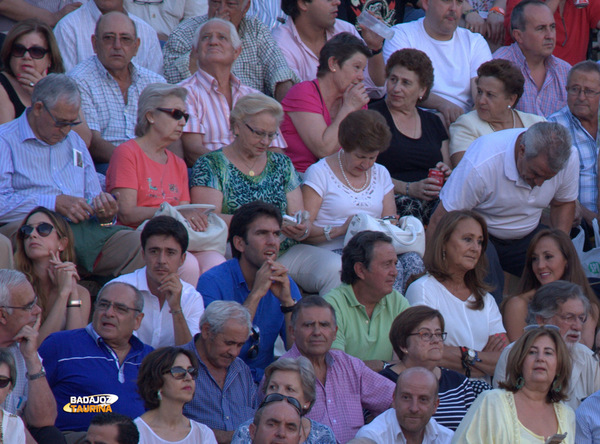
<point x="213" y="238"/>
<point x="407" y="236"/>
<point x="590" y="260"/>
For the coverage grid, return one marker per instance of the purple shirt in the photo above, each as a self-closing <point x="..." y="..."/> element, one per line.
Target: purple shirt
<point x="552" y="96"/>
<point x="349" y="387"/>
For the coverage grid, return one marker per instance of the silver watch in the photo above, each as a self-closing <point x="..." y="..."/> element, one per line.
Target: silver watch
<point x="327" y="232"/>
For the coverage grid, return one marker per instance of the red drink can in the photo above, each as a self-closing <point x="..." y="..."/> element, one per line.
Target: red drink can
<point x="437" y="175"/>
<point x="581" y="3"/>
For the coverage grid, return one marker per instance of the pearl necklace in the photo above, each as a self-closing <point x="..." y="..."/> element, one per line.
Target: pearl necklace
<point x="356" y="190"/>
<point x="513" y="118"/>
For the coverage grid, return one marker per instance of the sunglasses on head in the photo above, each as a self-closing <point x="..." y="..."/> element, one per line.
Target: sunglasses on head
<point x="180" y="372"/>
<point x="36" y="52"/>
<point x="175" y="113"/>
<point x="44" y="229"/>
<point x="4" y="381"/>
<point x="277" y="397"/>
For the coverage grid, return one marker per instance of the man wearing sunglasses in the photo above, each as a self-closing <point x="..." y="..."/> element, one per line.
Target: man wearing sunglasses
<point x="20" y="318"/>
<point x="562" y="305"/>
<point x="94" y="369"/>
<point x="111" y="83"/>
<point x="43" y="162"/>
<point x="277" y="420"/>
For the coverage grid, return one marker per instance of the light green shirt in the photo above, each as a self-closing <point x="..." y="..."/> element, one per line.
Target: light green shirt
<point x="359" y="336"/>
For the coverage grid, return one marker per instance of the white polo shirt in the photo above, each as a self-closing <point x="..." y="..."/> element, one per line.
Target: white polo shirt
<point x="157" y="325"/>
<point x="487" y="181"/>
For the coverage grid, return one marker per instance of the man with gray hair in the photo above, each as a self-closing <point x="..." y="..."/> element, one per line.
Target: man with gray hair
<point x="111" y="83"/>
<point x="580" y="117"/>
<point x="563" y="305"/>
<point x="510" y="177"/>
<point x="43" y="162"/>
<point x="227" y="394"/>
<point x="20" y="319"/>
<point x="94" y="369"/>
<point x="213" y="90"/>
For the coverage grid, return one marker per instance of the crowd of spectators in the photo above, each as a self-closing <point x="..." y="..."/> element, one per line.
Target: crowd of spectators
<point x="180" y="183"/>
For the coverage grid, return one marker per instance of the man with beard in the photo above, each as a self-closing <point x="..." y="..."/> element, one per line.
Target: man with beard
<point x="563" y="305"/>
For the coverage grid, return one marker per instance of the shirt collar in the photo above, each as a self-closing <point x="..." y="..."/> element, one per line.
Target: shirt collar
<point x="136" y="344"/>
<point x="510" y="163"/>
<point x="208" y="82"/>
<point x="133" y="72"/>
<point x="350" y="297"/>
<point x="24" y="129"/>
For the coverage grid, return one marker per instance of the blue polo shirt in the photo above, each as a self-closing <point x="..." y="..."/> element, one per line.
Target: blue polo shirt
<point x="226" y="282"/>
<point x="86" y="378"/>
<point x="222" y="408"/>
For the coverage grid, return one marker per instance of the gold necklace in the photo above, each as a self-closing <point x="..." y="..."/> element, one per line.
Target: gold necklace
<point x="512" y="113"/>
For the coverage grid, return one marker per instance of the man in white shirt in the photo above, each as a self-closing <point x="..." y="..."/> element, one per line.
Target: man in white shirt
<point x="456" y="53"/>
<point x="74" y="33"/>
<point x="172" y="307"/>
<point x="410" y="419"/>
<point x="510" y="177"/>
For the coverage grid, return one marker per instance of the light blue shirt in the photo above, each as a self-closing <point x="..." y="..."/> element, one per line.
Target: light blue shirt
<point x="588" y="420"/>
<point x="33" y="173"/>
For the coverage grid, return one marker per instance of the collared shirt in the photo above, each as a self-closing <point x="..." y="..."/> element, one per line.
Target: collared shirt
<point x="157" y="325"/>
<point x="74" y="37"/>
<point x="552" y="96"/>
<point x="304" y="62"/>
<point x="359" y="335"/>
<point x="226" y="282"/>
<point x="222" y="408"/>
<point x="260" y="65"/>
<point x="386" y="429"/>
<point x="33" y="173"/>
<point x="80" y="364"/>
<point x="209" y="110"/>
<point x="103" y="103"/>
<point x="588" y="420"/>
<point x="349" y="387"/>
<point x="164" y="16"/>
<point x="17" y="398"/>
<point x="7" y="23"/>
<point x="268" y="11"/>
<point x="587" y="147"/>
<point x="487" y="181"/>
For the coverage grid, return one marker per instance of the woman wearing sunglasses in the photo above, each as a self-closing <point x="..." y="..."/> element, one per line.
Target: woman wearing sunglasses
<point x="46" y="255"/>
<point x="166" y="381"/>
<point x="12" y="430"/>
<point x="143" y="173"/>
<point x="295" y="379"/>
<point x="28" y="54"/>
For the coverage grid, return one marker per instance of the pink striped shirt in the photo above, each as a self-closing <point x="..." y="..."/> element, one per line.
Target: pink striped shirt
<point x="209" y="110"/>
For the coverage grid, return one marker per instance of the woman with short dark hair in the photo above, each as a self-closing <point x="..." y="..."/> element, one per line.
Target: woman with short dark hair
<point x="166" y="381"/>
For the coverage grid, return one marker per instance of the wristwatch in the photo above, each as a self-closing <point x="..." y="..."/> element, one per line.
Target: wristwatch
<point x="327" y="232"/>
<point x="469" y="357"/>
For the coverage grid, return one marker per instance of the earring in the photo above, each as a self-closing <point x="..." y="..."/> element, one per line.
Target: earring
<point x="556" y="386"/>
<point x="159" y="395"/>
<point x="520" y="383"/>
<point x="443" y="255"/>
<point x="509" y="107"/>
<point x="151" y="122"/>
<point x="420" y="97"/>
<point x="332" y="69"/>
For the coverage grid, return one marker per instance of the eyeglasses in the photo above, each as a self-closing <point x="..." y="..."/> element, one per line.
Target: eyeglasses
<point x="576" y="90"/>
<point x="4" y="381"/>
<point x="125" y="39"/>
<point x="122" y="309"/>
<point x="27" y="307"/>
<point x="36" y="52"/>
<point x="427" y="336"/>
<point x="175" y="113"/>
<point x="262" y="134"/>
<point x="61" y="123"/>
<point x="252" y="352"/>
<point x="570" y="318"/>
<point x="277" y="397"/>
<point x="534" y="326"/>
<point x="180" y="372"/>
<point x="44" y="229"/>
<point x="148" y="2"/>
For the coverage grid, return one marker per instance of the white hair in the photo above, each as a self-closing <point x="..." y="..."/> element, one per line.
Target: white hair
<point x="233" y="34"/>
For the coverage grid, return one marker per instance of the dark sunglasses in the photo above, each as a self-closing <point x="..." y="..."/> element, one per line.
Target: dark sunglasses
<point x="180" y="372"/>
<point x="4" y="381"/>
<point x="175" y="113"/>
<point x="44" y="229"/>
<point x="277" y="397"/>
<point x="36" y="52"/>
<point x="252" y="352"/>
